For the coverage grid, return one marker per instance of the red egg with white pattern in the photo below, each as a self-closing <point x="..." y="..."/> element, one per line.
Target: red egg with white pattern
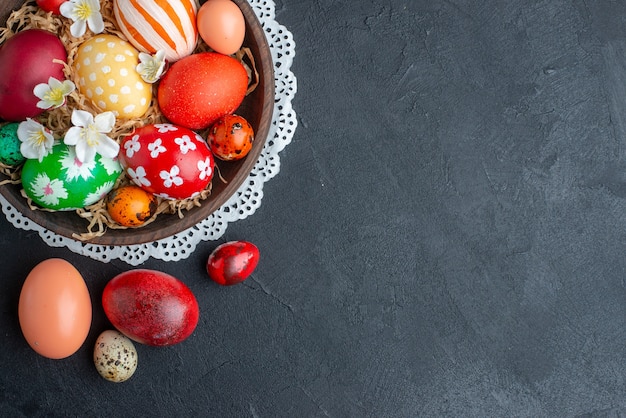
<point x="167" y="160"/>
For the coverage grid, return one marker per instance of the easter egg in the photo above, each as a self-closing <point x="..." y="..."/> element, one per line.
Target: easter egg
<point x="150" y="307"/>
<point x="61" y="182"/>
<point x="231" y="138"/>
<point x="115" y="356"/>
<point x="27" y="59"/>
<point x="131" y="205"/>
<point x="200" y="88"/>
<point x="51" y="5"/>
<point x="167" y="160"/>
<point x="54" y="309"/>
<point x="10" y="145"/>
<point x="106" y="69"/>
<point x="232" y="262"/>
<point x="153" y="25"/>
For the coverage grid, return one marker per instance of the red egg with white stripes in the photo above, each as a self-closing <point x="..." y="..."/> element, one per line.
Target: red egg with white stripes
<point x="167" y="160"/>
<point x="153" y="25"/>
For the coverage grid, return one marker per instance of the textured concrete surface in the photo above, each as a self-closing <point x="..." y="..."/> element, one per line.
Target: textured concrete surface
<point x="446" y="236"/>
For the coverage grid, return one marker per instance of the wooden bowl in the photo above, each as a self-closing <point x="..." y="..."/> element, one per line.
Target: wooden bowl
<point x="257" y="108"/>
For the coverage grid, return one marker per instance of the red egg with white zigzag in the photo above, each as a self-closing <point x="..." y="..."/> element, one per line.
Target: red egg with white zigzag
<point x="152" y="25"/>
<point x="167" y="160"/>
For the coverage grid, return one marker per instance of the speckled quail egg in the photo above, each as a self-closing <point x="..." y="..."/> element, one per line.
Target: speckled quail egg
<point x="115" y="356"/>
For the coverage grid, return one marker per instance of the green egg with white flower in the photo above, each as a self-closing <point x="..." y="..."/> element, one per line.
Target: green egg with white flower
<point x="61" y="182"/>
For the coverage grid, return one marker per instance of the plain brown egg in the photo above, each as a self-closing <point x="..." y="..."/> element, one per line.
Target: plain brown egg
<point x="221" y="25"/>
<point x="55" y="309"/>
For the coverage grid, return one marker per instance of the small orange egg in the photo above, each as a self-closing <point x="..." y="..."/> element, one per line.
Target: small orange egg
<point x="131" y="205"/>
<point x="230" y="138"/>
<point x="221" y="25"/>
<point x="54" y="309"/>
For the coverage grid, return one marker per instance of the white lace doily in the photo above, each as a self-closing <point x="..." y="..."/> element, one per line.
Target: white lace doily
<point x="242" y="204"/>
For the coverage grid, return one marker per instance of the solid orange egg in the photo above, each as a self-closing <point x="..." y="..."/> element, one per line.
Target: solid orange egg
<point x="131" y="205"/>
<point x="222" y="26"/>
<point x="54" y="309"/>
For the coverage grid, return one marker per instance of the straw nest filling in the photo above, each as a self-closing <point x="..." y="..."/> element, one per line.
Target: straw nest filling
<point x="30" y="16"/>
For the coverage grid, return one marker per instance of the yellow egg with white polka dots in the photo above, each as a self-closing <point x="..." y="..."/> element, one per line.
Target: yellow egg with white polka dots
<point x="107" y="75"/>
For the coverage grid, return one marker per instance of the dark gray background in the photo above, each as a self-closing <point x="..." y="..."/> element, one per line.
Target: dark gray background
<point x="446" y="237"/>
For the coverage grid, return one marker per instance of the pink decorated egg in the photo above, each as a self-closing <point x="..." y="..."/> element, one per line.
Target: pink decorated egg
<point x="167" y="160"/>
<point x="28" y="58"/>
<point x="153" y="25"/>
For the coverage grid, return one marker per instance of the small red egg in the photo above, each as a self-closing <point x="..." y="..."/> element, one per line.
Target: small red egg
<point x="231" y="138"/>
<point x="51" y="5"/>
<point x="131" y="205"/>
<point x="232" y="262"/>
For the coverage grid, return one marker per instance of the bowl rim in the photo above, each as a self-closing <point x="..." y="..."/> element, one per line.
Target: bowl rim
<point x="173" y="225"/>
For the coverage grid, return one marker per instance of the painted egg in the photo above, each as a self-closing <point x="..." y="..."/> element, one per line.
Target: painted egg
<point x="232" y="262"/>
<point x="53" y="6"/>
<point x="55" y="309"/>
<point x="27" y="59"/>
<point x="115" y="356"/>
<point x="197" y="90"/>
<point x="167" y="160"/>
<point x="10" y="143"/>
<point x="150" y="307"/>
<point x="153" y="25"/>
<point x="131" y="205"/>
<point x="107" y="75"/>
<point x="231" y="138"/>
<point x="61" y="182"/>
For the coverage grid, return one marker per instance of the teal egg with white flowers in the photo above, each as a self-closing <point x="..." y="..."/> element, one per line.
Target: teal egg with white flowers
<point x="61" y="182"/>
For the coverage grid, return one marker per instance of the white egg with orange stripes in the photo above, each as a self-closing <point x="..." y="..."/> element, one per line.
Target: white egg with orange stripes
<point x="153" y="25"/>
